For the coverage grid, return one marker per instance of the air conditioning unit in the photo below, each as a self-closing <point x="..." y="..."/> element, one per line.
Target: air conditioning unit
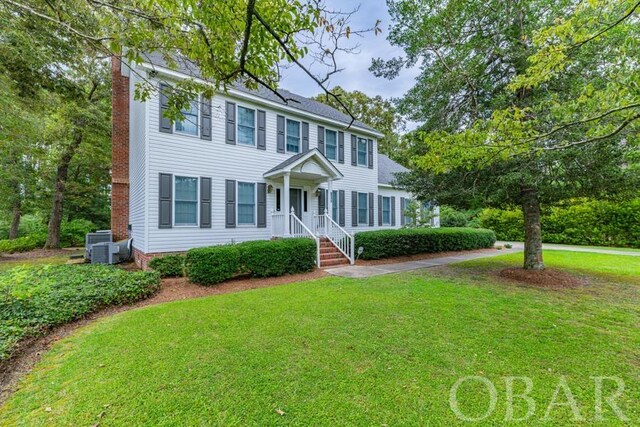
<point x="105" y="253"/>
<point x="93" y="238"/>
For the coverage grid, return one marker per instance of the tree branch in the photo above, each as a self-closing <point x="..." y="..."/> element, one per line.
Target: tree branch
<point x="616" y="131"/>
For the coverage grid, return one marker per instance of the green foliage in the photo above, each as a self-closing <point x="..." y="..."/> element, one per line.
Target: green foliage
<point x="264" y="258"/>
<point x="451" y="217"/>
<point x="393" y="243"/>
<point x="271" y="258"/>
<point x="581" y="222"/>
<point x="73" y="232"/>
<point x="35" y="299"/>
<point x="23" y="244"/>
<point x="169" y="265"/>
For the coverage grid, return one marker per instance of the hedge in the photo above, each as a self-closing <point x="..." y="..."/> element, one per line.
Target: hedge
<point x="35" y="299"/>
<point x="169" y="265"/>
<point x="23" y="244"/>
<point x="264" y="258"/>
<point x="583" y="222"/>
<point x="393" y="243"/>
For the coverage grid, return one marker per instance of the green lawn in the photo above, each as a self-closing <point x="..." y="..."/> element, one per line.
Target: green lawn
<point x="380" y="351"/>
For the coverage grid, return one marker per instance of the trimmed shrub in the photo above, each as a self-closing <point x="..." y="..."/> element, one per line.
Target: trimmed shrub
<point x="23" y="244"/>
<point x="393" y="243"/>
<point x="35" y="299"/>
<point x="507" y="224"/>
<point x="211" y="265"/>
<point x="168" y="266"/>
<point x="271" y="258"/>
<point x="261" y="258"/>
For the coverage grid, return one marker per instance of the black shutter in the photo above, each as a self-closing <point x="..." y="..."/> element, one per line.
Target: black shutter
<point x="354" y="152"/>
<point x="341" y="204"/>
<point x="370" y="152"/>
<point x="322" y="201"/>
<point x="354" y="208"/>
<point x="341" y="147"/>
<point x="230" y="128"/>
<point x="393" y="211"/>
<point x="262" y="205"/>
<point x="379" y="210"/>
<point x="262" y="130"/>
<point x="402" y="202"/>
<point x="321" y="139"/>
<point x="205" y="119"/>
<point x="205" y="202"/>
<point x="280" y="134"/>
<point x="166" y="125"/>
<point x="371" y="221"/>
<point x="230" y="204"/>
<point x="305" y="137"/>
<point x="165" y="200"/>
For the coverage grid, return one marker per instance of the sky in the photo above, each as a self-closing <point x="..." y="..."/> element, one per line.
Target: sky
<point x="356" y="74"/>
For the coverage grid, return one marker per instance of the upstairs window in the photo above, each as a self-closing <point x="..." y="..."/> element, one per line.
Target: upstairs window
<point x="246" y="126"/>
<point x="186" y="201"/>
<point x="363" y="208"/>
<point x="246" y="203"/>
<point x="331" y="144"/>
<point x="362" y="152"/>
<point x="189" y="125"/>
<point x="293" y="136"/>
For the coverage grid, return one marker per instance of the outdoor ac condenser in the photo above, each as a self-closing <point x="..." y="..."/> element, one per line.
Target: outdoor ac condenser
<point x="93" y="238"/>
<point x="105" y="253"/>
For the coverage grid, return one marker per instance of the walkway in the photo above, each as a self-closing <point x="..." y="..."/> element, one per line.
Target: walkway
<point x="361" y="271"/>
<point x="574" y="248"/>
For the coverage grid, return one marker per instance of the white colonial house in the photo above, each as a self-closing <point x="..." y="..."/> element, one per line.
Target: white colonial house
<point x="243" y="166"/>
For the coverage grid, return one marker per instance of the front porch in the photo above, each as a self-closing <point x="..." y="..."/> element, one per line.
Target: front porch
<point x="297" y="181"/>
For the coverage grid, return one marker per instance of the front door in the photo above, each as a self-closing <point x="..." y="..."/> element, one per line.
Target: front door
<point x="295" y="201"/>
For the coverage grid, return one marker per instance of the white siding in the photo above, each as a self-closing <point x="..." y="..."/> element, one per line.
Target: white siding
<point x="138" y="203"/>
<point x="184" y="155"/>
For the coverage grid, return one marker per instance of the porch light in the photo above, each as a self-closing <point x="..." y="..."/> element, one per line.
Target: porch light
<point x="269" y="188"/>
<point x="318" y="191"/>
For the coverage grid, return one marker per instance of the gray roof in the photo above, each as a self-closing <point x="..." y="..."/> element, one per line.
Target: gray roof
<point x="387" y="169"/>
<point x="294" y="101"/>
<point x="287" y="162"/>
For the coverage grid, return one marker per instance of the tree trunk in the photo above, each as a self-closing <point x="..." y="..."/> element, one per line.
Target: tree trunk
<point x="532" y="230"/>
<point x="15" y="222"/>
<point x="62" y="172"/>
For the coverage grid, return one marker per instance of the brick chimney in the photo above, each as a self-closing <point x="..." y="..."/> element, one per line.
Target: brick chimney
<point x="119" y="149"/>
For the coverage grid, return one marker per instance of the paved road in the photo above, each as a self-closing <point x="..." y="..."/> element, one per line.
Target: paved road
<point x="361" y="271"/>
<point x="552" y="246"/>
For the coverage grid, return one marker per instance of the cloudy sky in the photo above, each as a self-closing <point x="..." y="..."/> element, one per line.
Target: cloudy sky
<point x="356" y="74"/>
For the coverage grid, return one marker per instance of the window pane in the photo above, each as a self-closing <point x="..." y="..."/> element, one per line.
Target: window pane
<point x="246" y="203"/>
<point x="334" y="208"/>
<point x="186" y="213"/>
<point x="293" y="136"/>
<point x="186" y="201"/>
<point x="190" y="123"/>
<point x="386" y="210"/>
<point x="362" y="208"/>
<point x="331" y="144"/>
<point x="362" y="151"/>
<point x="186" y="188"/>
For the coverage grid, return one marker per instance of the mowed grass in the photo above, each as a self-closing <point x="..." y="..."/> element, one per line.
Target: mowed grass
<point x="380" y="351"/>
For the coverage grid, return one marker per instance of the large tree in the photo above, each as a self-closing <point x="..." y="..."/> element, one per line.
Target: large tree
<point x="374" y="111"/>
<point x="544" y="106"/>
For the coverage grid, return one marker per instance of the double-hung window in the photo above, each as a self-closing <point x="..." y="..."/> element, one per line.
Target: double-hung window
<point x="363" y="208"/>
<point x="186" y="201"/>
<point x="293" y="136"/>
<point x="246" y="126"/>
<point x="188" y="125"/>
<point x="408" y="215"/>
<point x="331" y="144"/>
<point x="362" y="152"/>
<point x="386" y="211"/>
<point x="246" y="203"/>
<point x="334" y="205"/>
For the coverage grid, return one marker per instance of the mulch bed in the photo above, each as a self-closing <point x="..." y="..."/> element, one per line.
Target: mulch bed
<point x="423" y="256"/>
<point x="548" y="278"/>
<point x="38" y="253"/>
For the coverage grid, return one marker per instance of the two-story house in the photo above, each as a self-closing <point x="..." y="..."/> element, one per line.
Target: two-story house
<point x="242" y="166"/>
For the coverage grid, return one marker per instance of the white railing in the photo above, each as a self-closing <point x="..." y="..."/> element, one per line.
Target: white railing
<point x="277" y="224"/>
<point x="297" y="227"/>
<point x="345" y="242"/>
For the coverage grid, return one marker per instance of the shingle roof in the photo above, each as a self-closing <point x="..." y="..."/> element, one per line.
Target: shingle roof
<point x="387" y="169"/>
<point x="296" y="101"/>
<point x="286" y="162"/>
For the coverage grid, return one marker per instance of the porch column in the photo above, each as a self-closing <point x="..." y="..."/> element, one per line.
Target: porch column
<point x="329" y="198"/>
<point x="285" y="208"/>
